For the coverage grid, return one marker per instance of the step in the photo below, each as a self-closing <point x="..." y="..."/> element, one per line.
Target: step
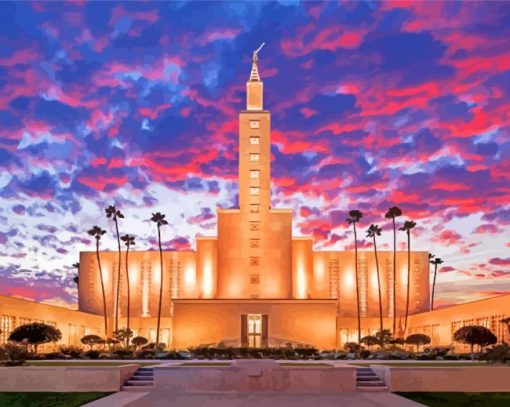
<point x="146" y="369"/>
<point x="368" y="379"/>
<point x="142" y="378"/>
<point x="137" y="388"/>
<point x="379" y="388"/>
<point x="365" y="374"/>
<point x="139" y="383"/>
<point x="144" y="372"/>
<point x="370" y="384"/>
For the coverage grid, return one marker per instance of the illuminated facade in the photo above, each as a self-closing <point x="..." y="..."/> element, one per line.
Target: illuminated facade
<point x="254" y="284"/>
<point x="268" y="286"/>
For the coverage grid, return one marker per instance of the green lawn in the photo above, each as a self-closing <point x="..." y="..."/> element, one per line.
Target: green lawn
<point x="48" y="399"/>
<point x="430" y="364"/>
<point x="85" y="363"/>
<point x="460" y="399"/>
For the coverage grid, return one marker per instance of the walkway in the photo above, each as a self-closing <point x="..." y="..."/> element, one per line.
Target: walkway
<point x="157" y="398"/>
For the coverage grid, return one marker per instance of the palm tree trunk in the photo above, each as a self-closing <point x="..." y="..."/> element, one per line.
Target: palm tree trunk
<point x="102" y="290"/>
<point x="128" y="296"/>
<point x="378" y="288"/>
<point x="357" y="281"/>
<point x="160" y="287"/>
<point x="118" y="279"/>
<point x="408" y="277"/>
<point x="433" y="287"/>
<point x="394" y="279"/>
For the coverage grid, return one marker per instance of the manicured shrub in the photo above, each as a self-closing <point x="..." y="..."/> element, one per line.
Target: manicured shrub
<point x="35" y="334"/>
<point x="418" y="340"/>
<point x="497" y="354"/>
<point x="475" y="335"/>
<point x="139" y="341"/>
<point x="71" y="351"/>
<point x="91" y="340"/>
<point x="92" y="354"/>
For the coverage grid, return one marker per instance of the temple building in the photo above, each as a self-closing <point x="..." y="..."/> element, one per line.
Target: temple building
<point x="255" y="284"/>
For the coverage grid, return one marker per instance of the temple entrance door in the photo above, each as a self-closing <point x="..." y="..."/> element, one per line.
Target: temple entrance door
<point x="254" y="330"/>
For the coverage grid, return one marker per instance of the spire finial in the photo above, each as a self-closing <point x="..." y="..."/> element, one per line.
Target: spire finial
<point x="254" y="69"/>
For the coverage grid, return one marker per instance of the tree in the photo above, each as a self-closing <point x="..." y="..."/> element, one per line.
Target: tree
<point x="373" y="231"/>
<point x="354" y="217"/>
<point x="35" y="334"/>
<point x="352" y="347"/>
<point x="408" y="226"/>
<point x="91" y="340"/>
<point x="159" y="219"/>
<point x="475" y="335"/>
<point x="76" y="278"/>
<point x="370" y="341"/>
<point x="418" y="340"/>
<point x="97" y="232"/>
<point x="139" y="341"/>
<point x="436" y="262"/>
<point x="384" y="337"/>
<point x="128" y="241"/>
<point x="123" y="335"/>
<point x="115" y="214"/>
<point x="393" y="213"/>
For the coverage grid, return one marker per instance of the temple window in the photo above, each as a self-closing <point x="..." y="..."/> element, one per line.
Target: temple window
<point x="254" y="191"/>
<point x="254" y="124"/>
<point x="254" y="157"/>
<point x="254" y="141"/>
<point x="254" y="174"/>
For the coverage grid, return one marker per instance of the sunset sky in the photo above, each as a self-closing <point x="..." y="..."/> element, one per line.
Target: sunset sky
<point x="136" y="104"/>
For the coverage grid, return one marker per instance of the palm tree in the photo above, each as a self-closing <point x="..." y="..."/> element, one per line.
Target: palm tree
<point x="354" y="217"/>
<point x="114" y="213"/>
<point x="97" y="232"/>
<point x="393" y="213"/>
<point x="129" y="241"/>
<point x="436" y="262"/>
<point x="76" y="278"/>
<point x="408" y="226"/>
<point x="373" y="231"/>
<point x="159" y="219"/>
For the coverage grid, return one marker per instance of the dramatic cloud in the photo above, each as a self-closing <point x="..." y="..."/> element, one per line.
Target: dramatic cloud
<point x="373" y="105"/>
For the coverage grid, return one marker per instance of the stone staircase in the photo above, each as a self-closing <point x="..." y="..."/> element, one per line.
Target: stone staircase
<point x="367" y="380"/>
<point x="142" y="380"/>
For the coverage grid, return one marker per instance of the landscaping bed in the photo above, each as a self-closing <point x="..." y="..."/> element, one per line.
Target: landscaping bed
<point x="459" y="399"/>
<point x="35" y="399"/>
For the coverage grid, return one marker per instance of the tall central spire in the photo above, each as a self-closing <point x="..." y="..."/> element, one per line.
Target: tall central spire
<point x="254" y="76"/>
<point x="254" y="87"/>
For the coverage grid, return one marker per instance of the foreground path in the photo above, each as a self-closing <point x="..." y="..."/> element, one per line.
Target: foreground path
<point x="157" y="398"/>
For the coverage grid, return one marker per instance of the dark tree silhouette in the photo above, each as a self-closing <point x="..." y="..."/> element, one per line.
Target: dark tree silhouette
<point x="139" y="341"/>
<point x="408" y="226"/>
<point x="115" y="214"/>
<point x="436" y="261"/>
<point x="97" y="232"/>
<point x="373" y="231"/>
<point x="159" y="219"/>
<point x="91" y="340"/>
<point x="394" y="212"/>
<point x="418" y="340"/>
<point x="76" y="278"/>
<point x="128" y="241"/>
<point x="35" y="333"/>
<point x="475" y="335"/>
<point x="354" y="217"/>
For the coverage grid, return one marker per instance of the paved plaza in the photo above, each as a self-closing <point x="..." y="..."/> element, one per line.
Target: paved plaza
<point x="157" y="398"/>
